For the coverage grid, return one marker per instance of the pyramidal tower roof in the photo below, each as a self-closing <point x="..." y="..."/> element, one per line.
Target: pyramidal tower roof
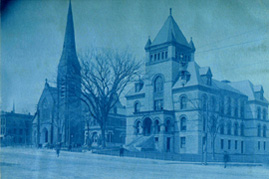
<point x="69" y="54"/>
<point x="170" y="32"/>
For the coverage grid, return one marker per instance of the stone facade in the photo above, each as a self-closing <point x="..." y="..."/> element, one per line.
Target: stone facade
<point x="178" y="107"/>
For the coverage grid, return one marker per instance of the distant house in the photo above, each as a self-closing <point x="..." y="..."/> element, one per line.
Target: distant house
<point x="169" y="109"/>
<point x="16" y="128"/>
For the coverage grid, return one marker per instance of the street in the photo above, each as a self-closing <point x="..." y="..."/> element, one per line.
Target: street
<point x="42" y="163"/>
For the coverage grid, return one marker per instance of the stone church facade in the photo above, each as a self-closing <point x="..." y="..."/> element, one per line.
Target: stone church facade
<point x="61" y="116"/>
<point x="171" y="108"/>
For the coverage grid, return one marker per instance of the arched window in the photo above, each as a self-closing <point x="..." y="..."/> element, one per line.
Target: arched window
<point x="259" y="131"/>
<point x="158" y="85"/>
<point x="157" y="127"/>
<point x="235" y="128"/>
<point x="183" y="102"/>
<point x="242" y="129"/>
<point x="221" y="105"/>
<point x="258" y="113"/>
<point x="183" y="125"/>
<point x="229" y="107"/>
<point x="168" y="126"/>
<point x="213" y="103"/>
<point x="45" y="113"/>
<point x="242" y="109"/>
<point x="138" y="127"/>
<point x="264" y="130"/>
<point x="137" y="107"/>
<point x="236" y="108"/>
<point x="229" y="128"/>
<point x="264" y="114"/>
<point x="204" y="102"/>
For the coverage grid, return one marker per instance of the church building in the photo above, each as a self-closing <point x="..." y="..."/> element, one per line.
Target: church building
<point x="59" y="115"/>
<point x="62" y="116"/>
<point x="177" y="106"/>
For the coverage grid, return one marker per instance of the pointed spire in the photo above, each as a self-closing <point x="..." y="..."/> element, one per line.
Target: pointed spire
<point x="69" y="40"/>
<point x="69" y="54"/>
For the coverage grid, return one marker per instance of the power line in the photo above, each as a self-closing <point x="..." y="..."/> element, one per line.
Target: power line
<point x="229" y="46"/>
<point x="233" y="36"/>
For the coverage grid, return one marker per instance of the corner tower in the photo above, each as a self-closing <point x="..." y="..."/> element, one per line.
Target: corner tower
<point x="69" y="88"/>
<point x="167" y="57"/>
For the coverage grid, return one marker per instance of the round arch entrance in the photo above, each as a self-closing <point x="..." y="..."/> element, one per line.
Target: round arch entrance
<point x="147" y="125"/>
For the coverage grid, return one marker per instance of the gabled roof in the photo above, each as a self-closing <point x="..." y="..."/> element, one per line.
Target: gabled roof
<point x="148" y="44"/>
<point x="205" y="71"/>
<point x="191" y="44"/>
<point x="170" y="32"/>
<point x="247" y="88"/>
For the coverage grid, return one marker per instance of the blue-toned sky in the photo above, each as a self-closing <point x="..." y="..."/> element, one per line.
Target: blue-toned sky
<point x="231" y="36"/>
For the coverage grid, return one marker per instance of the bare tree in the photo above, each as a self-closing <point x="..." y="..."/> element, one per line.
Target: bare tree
<point x="104" y="76"/>
<point x="212" y="121"/>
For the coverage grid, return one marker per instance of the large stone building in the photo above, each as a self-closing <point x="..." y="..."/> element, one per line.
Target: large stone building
<point x="16" y="128"/>
<point x="178" y="107"/>
<point x="61" y="116"/>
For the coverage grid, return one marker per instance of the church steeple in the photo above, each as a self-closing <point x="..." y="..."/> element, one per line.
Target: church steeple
<point x="69" y="54"/>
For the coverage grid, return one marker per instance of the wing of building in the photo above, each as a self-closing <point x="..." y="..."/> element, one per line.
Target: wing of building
<point x="179" y="107"/>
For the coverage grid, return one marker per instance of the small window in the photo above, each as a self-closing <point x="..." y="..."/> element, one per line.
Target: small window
<point x="151" y="56"/>
<point x="155" y="57"/>
<point x="183" y="126"/>
<point x="158" y="56"/>
<point x="259" y="131"/>
<point x="222" y="144"/>
<point x="235" y="144"/>
<point x="183" y="102"/>
<point x="162" y="55"/>
<point x="259" y="145"/>
<point x="182" y="142"/>
<point x="229" y="106"/>
<point x="242" y="129"/>
<point x="242" y="110"/>
<point x="222" y="129"/>
<point x="166" y="54"/>
<point x="229" y="144"/>
<point x="264" y="145"/>
<point x="156" y="139"/>
<point x="229" y="128"/>
<point x="264" y="130"/>
<point x="264" y="114"/>
<point x="158" y="105"/>
<point x="258" y="113"/>
<point x="236" y="129"/>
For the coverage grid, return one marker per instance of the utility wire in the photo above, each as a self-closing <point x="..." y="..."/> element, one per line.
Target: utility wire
<point x="229" y="46"/>
<point x="233" y="36"/>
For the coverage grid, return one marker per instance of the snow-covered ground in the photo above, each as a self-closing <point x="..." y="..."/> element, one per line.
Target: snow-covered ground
<point x="33" y="163"/>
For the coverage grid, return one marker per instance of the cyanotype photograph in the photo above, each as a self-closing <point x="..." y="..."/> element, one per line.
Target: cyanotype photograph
<point x="134" y="89"/>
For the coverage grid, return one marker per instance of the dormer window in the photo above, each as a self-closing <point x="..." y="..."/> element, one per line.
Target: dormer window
<point x="138" y="86"/>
